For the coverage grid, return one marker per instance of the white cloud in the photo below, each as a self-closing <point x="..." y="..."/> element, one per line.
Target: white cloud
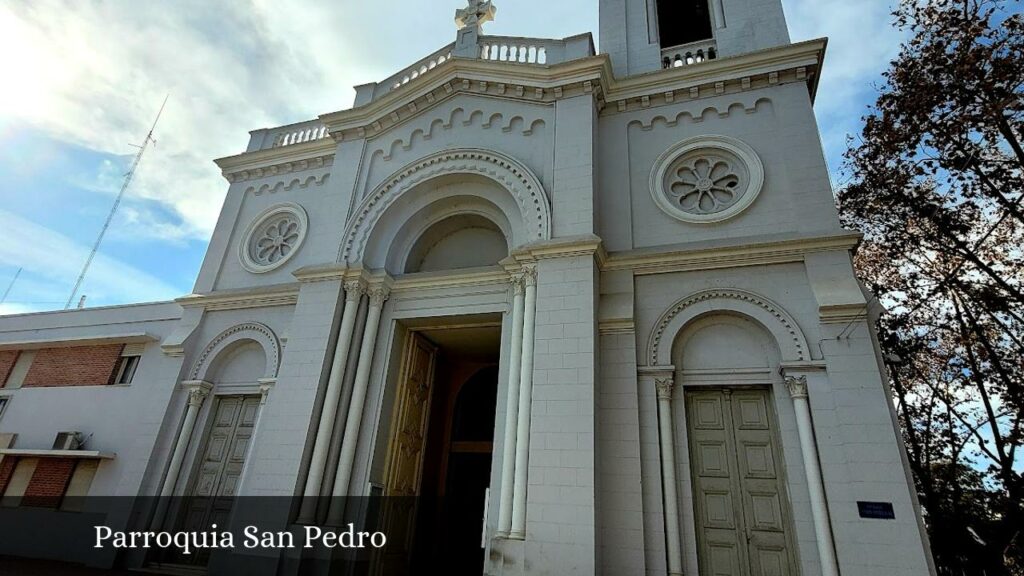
<point x="861" y="44"/>
<point x="94" y="73"/>
<point x="53" y="261"/>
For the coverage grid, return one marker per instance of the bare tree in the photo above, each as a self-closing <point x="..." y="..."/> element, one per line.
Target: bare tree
<point x="937" y="188"/>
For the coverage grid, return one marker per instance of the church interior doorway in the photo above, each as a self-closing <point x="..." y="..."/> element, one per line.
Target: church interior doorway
<point x="441" y="447"/>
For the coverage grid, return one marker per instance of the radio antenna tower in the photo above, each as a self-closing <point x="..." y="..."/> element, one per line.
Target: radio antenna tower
<point x="113" y="210"/>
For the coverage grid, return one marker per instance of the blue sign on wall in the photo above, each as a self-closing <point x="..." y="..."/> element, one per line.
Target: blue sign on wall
<point x="877" y="510"/>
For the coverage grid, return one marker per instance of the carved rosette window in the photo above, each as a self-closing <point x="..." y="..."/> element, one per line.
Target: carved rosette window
<point x="707" y="179"/>
<point x="273" y="238"/>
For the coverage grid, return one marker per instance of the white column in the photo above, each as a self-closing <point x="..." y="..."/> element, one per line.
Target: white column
<point x="198" y="390"/>
<point x="266" y="384"/>
<point x="666" y="440"/>
<point x="797" y="386"/>
<point x="378" y="295"/>
<point x="525" y="402"/>
<point x="508" y="457"/>
<point x="353" y="293"/>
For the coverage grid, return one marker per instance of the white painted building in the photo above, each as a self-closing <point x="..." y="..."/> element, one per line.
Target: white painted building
<point x="606" y="289"/>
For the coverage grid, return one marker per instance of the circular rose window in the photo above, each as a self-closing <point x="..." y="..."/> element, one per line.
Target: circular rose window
<point x="706" y="179"/>
<point x="273" y="237"/>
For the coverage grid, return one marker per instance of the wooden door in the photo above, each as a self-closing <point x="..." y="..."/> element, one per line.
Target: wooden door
<point x="227" y="442"/>
<point x="742" y="512"/>
<point x="404" y="471"/>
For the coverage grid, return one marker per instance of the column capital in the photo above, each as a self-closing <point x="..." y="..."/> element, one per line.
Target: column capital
<point x="197" y="390"/>
<point x="797" y="386"/>
<point x="266" y="385"/>
<point x="665" y="386"/>
<point x="517" y="283"/>
<point x="378" y="294"/>
<point x="529" y="274"/>
<point x="354" y="289"/>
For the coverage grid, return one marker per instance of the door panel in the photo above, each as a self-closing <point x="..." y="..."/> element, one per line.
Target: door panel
<point x="223" y="459"/>
<point x="742" y="517"/>
<point x="404" y="470"/>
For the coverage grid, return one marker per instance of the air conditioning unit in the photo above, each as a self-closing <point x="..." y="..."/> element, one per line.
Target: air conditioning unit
<point x="68" y="441"/>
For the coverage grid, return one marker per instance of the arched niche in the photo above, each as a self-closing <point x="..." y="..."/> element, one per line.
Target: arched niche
<point x="770" y="316"/>
<point x="464" y="240"/>
<point x="447" y="183"/>
<point x="721" y="342"/>
<point x="239" y="339"/>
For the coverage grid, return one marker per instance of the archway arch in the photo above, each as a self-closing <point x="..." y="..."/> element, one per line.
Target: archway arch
<point x="232" y="338"/>
<point x="517" y="193"/>
<point x="790" y="339"/>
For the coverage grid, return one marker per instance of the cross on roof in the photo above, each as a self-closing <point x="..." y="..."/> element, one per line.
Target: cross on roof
<point x="476" y="14"/>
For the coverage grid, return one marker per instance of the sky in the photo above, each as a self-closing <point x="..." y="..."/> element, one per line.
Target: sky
<point x="84" y="80"/>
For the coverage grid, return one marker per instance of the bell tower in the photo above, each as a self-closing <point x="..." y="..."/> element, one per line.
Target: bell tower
<point x="647" y="35"/>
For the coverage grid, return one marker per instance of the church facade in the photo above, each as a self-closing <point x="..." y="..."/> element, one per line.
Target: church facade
<point x="597" y="303"/>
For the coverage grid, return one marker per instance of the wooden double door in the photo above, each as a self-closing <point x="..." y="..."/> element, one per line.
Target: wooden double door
<point x="742" y="509"/>
<point x="211" y="493"/>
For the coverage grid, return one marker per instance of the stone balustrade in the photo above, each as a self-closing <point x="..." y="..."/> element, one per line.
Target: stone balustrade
<point x="287" y="135"/>
<point x="414" y="71"/>
<point x="689" y="54"/>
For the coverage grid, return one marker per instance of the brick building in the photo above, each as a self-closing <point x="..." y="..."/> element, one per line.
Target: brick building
<point x="598" y="301"/>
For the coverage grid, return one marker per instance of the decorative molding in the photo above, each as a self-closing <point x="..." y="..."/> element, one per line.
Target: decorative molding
<point x="450" y="120"/>
<point x="287" y="186"/>
<point x="696" y="115"/>
<point x="273" y="238"/>
<point x="262" y="297"/>
<point x="513" y="176"/>
<point x="278" y="161"/>
<point x="709" y="256"/>
<point x="700" y="157"/>
<point x="253" y="331"/>
<point x="616" y="326"/>
<point x="790" y="338"/>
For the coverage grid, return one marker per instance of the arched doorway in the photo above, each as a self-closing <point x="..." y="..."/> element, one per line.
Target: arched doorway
<point x="441" y="449"/>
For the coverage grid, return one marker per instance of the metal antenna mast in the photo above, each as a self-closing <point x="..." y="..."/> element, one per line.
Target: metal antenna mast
<point x="9" y="286"/>
<point x="124" y="187"/>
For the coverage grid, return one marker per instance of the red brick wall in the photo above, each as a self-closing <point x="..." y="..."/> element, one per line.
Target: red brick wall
<point x="6" y="470"/>
<point x="7" y="359"/>
<point x="78" y="366"/>
<point x="48" y="483"/>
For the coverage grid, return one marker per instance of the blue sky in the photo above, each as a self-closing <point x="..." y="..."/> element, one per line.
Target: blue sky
<point x="84" y="80"/>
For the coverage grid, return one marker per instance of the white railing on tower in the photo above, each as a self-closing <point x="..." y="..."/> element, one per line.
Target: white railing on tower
<point x="689" y="54"/>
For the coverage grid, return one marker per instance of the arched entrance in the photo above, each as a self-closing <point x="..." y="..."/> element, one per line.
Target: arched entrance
<point x="441" y="448"/>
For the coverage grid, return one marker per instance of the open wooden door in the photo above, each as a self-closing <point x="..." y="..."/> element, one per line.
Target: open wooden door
<point x="404" y="471"/>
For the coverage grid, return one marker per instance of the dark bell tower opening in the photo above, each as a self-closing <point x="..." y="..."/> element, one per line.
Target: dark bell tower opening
<point x="683" y="21"/>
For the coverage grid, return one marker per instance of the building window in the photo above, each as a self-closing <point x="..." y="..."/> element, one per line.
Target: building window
<point x="126" y="369"/>
<point x="683" y="21"/>
<point x="4" y="401"/>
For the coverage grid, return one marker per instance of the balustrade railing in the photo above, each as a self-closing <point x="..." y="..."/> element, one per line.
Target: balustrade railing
<point x="295" y="134"/>
<point x="414" y="71"/>
<point x="689" y="54"/>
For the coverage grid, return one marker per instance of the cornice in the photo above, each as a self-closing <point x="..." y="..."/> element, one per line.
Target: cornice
<point x="750" y="253"/>
<point x="275" y="161"/>
<point x="808" y="54"/>
<point x="261" y="297"/>
<point x="543" y="84"/>
<point x="474" y="277"/>
<point x="527" y="82"/>
<point x="586" y="245"/>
